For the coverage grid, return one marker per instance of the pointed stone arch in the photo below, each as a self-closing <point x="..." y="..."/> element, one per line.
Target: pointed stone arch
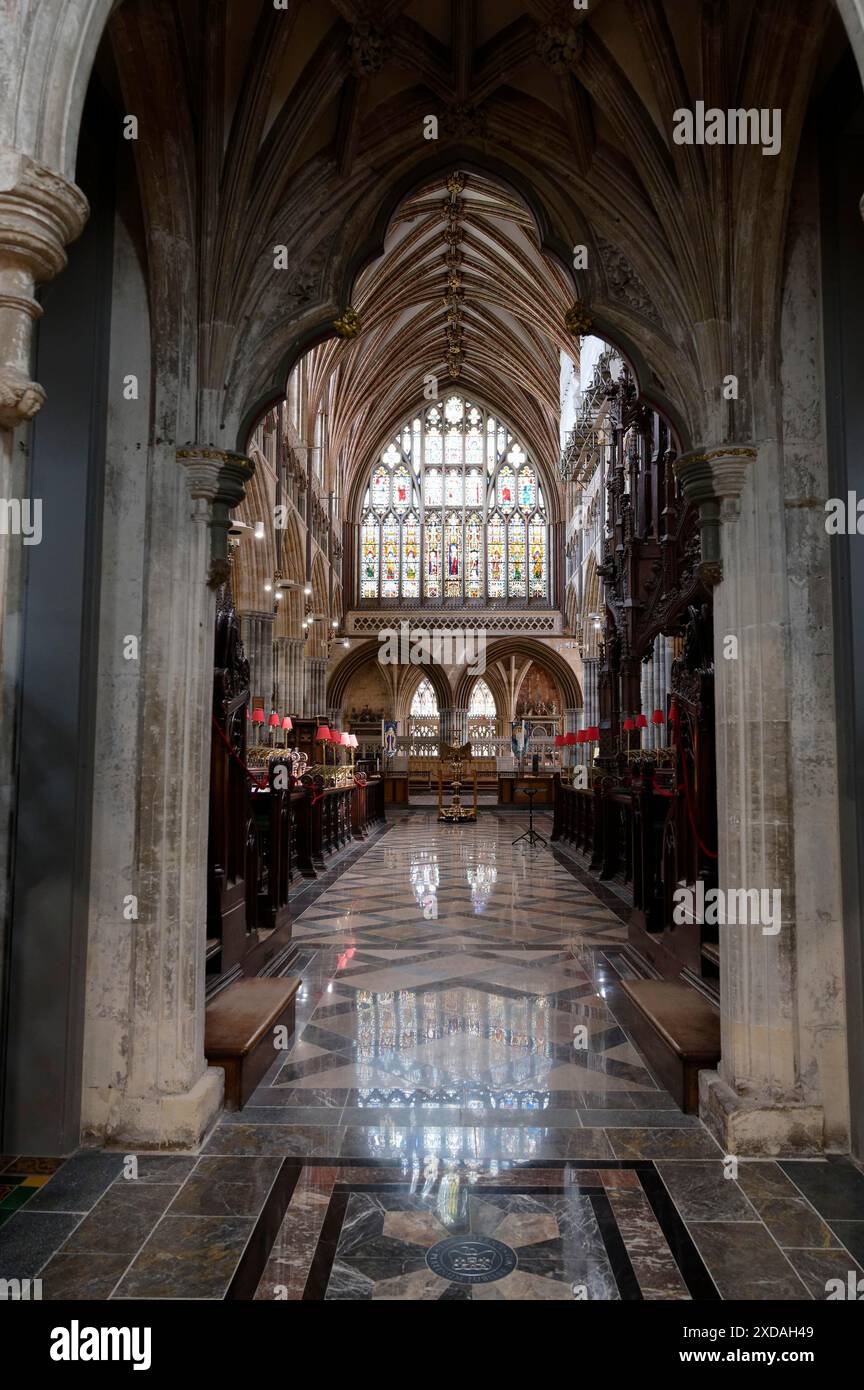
<point x="535" y="651"/>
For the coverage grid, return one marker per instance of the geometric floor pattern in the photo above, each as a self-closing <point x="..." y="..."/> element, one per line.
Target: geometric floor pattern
<point x="459" y="1116"/>
<point x="473" y="1092"/>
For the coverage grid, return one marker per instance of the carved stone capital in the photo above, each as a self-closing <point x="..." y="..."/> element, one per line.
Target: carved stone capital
<point x="712" y="480"/>
<point x="40" y="213"/>
<point x="218" y="478"/>
<point x="202" y="467"/>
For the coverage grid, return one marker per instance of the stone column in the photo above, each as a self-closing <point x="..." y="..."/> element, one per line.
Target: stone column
<point x="316" y="674"/>
<point x="646" y="735"/>
<point x="40" y="214"/>
<point x="757" y="1102"/>
<point x="257" y="633"/>
<point x="571" y="726"/>
<point x="146" y="1079"/>
<point x="288" y="665"/>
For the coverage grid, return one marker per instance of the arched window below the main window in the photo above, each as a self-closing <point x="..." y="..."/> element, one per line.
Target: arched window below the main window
<point x="424" y="722"/>
<point x="482" y="721"/>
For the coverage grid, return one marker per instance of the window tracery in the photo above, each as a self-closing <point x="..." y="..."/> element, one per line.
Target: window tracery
<point x="454" y="510"/>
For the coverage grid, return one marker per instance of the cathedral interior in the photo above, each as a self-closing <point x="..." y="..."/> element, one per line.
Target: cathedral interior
<point x="431" y="435"/>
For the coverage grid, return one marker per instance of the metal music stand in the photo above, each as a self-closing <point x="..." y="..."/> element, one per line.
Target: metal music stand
<point x="530" y="834"/>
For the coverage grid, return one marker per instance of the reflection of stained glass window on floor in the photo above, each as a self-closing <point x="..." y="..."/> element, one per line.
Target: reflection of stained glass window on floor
<point x="454" y="477"/>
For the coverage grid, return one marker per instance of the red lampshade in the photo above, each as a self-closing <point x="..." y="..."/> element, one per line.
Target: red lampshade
<point x="571" y="740"/>
<point x="673" y="714"/>
<point x="323" y="734"/>
<point x="560" y="740"/>
<point x="595" y="733"/>
<point x="345" y="740"/>
<point x="335" y="736"/>
<point x="641" y="721"/>
<point x="354" y="743"/>
<point x="287" y="722"/>
<point x="629" y="726"/>
<point x="658" y="717"/>
<point x="274" y="721"/>
<point x="257" y="716"/>
<point x="582" y="736"/>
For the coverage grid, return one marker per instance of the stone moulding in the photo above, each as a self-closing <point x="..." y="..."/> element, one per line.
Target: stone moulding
<point x="536" y="624"/>
<point x="712" y="481"/>
<point x="219" y="478"/>
<point x="40" y="213"/>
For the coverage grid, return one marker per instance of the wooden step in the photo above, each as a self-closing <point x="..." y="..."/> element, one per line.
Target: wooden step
<point x="238" y="1032"/>
<point x="677" y="1030"/>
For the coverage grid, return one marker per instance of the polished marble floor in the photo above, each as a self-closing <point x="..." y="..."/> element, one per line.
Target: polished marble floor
<point x="460" y="1116"/>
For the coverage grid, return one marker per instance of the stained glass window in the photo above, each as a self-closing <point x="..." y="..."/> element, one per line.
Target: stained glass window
<point x="454" y="511"/>
<point x="516" y="557"/>
<point x="506" y="489"/>
<point x="453" y="555"/>
<point x="474" y="556"/>
<point x="527" y="489"/>
<point x="434" y="449"/>
<point x="410" y="557"/>
<point x="537" y="557"/>
<point x="369" y="558"/>
<point x="433" y="488"/>
<point x="433" y="560"/>
<point x="390" y="558"/>
<point x="474" y="449"/>
<point x="496" y="546"/>
<point x="401" y="489"/>
<point x="381" y="488"/>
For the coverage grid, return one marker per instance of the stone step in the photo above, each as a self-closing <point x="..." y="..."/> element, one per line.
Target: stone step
<point x="677" y="1030"/>
<point x="238" y="1032"/>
